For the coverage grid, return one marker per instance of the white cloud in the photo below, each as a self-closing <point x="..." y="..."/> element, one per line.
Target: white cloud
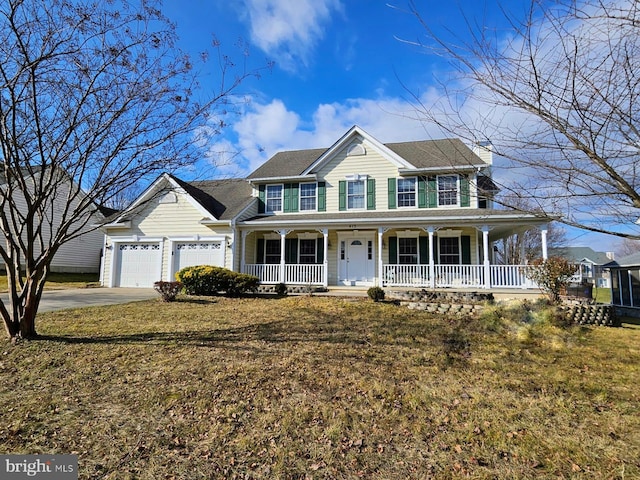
<point x="265" y="129"/>
<point x="288" y="30"/>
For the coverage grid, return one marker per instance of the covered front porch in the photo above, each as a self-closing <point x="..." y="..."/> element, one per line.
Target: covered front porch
<point x="425" y="257"/>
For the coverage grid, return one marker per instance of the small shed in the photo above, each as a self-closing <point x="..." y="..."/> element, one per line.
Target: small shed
<point x="625" y="284"/>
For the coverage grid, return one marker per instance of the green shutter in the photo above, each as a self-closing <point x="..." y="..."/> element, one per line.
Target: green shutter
<point x="423" y="245"/>
<point x="342" y="195"/>
<point x="290" y="250"/>
<point x="322" y="197"/>
<point x="371" y="194"/>
<point x="422" y="192"/>
<point x="320" y="250"/>
<point x="261" y="198"/>
<point x="432" y="193"/>
<point x="286" y="201"/>
<point x="465" y="197"/>
<point x="465" y="241"/>
<point x="392" y="193"/>
<point x="260" y="251"/>
<point x="393" y="250"/>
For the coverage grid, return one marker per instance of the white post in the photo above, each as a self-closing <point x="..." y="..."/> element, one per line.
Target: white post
<point x="485" y="253"/>
<point x="543" y="232"/>
<point x="283" y="234"/>
<point x="432" y="262"/>
<point x="243" y="247"/>
<point x="325" y="274"/>
<point x="381" y="231"/>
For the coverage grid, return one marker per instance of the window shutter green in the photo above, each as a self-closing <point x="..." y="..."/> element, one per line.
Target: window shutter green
<point x="322" y="197"/>
<point x="286" y="201"/>
<point x="465" y="199"/>
<point x="465" y="241"/>
<point x="423" y="245"/>
<point x="294" y="197"/>
<point x="290" y="250"/>
<point x="342" y="195"/>
<point x="260" y="251"/>
<point x="261" y="198"/>
<point x="432" y="192"/>
<point x="371" y="194"/>
<point x="393" y="250"/>
<point x="422" y="192"/>
<point x="392" y="193"/>
<point x="320" y="250"/>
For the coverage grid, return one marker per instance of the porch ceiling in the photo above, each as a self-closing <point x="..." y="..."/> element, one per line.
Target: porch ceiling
<point x="501" y="222"/>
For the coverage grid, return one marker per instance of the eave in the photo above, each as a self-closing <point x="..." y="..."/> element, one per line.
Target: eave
<point x="453" y="168"/>
<point x="294" y="178"/>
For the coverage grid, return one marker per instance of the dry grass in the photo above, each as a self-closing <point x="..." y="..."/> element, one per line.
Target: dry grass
<point x="306" y="387"/>
<point x="58" y="281"/>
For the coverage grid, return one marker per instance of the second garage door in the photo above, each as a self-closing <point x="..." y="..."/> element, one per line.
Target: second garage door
<point x="188" y="254"/>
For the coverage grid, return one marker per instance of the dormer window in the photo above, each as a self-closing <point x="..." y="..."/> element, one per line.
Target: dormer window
<point x="273" y="198"/>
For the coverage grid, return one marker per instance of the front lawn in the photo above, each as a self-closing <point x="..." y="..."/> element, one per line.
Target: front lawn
<point x="310" y="387"/>
<point x="58" y="281"/>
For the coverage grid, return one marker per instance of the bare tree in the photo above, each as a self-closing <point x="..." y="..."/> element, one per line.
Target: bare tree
<point x="558" y="94"/>
<point x="628" y="246"/>
<point x="94" y="97"/>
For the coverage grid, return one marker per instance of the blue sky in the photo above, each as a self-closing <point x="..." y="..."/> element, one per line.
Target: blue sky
<point x="336" y="63"/>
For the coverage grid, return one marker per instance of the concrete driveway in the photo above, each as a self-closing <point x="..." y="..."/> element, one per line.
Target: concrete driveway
<point x="88" y="297"/>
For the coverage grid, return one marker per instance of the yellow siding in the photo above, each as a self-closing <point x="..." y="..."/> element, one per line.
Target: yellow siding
<point x="372" y="164"/>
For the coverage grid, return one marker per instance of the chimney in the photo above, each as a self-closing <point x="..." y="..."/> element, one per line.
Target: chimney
<point x="611" y="255"/>
<point x="484" y="150"/>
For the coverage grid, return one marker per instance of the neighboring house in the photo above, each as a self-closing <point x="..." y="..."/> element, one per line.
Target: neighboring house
<point x="591" y="263"/>
<point x="625" y="284"/>
<point x="83" y="253"/>
<point x="359" y="213"/>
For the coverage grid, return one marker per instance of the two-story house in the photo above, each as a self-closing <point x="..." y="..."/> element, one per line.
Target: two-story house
<point x="358" y="213"/>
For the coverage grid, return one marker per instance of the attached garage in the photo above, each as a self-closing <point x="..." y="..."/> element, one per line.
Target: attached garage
<point x="137" y="264"/>
<point x="190" y="253"/>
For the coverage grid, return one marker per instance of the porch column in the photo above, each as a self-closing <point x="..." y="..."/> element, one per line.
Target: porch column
<point x="543" y="233"/>
<point x="381" y="231"/>
<point x="243" y="247"/>
<point x="283" y="234"/>
<point x="485" y="254"/>
<point x="325" y="274"/>
<point x="432" y="262"/>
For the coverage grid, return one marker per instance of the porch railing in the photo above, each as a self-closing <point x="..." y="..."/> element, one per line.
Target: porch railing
<point x="294" y="273"/>
<point x="439" y="276"/>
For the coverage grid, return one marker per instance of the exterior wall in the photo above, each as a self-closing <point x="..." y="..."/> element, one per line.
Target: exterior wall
<point x="372" y="164"/>
<point x="179" y="220"/>
<point x="80" y="255"/>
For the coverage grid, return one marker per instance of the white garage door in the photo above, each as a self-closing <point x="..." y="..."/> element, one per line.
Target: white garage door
<point x="189" y="254"/>
<point x="138" y="264"/>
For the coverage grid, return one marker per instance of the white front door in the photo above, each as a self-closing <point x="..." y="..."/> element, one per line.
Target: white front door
<point x="357" y="264"/>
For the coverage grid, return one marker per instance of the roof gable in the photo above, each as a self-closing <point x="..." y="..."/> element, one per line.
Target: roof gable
<point x="407" y="156"/>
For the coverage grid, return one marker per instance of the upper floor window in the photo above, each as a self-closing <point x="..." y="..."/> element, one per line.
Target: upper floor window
<point x="355" y="194"/>
<point x="273" y="198"/>
<point x="308" y="196"/>
<point x="407" y="192"/>
<point x="447" y="190"/>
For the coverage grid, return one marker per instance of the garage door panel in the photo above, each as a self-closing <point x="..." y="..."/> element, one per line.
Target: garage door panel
<point x="139" y="264"/>
<point x="188" y="254"/>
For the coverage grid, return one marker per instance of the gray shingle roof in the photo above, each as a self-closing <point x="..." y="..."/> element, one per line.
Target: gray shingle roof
<point x="445" y="153"/>
<point x="577" y="254"/>
<point x="223" y="198"/>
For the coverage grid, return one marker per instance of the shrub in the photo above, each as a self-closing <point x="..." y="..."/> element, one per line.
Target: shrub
<point x="376" y="294"/>
<point x="210" y="280"/>
<point x="551" y="275"/>
<point x="168" y="290"/>
<point x="281" y="290"/>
